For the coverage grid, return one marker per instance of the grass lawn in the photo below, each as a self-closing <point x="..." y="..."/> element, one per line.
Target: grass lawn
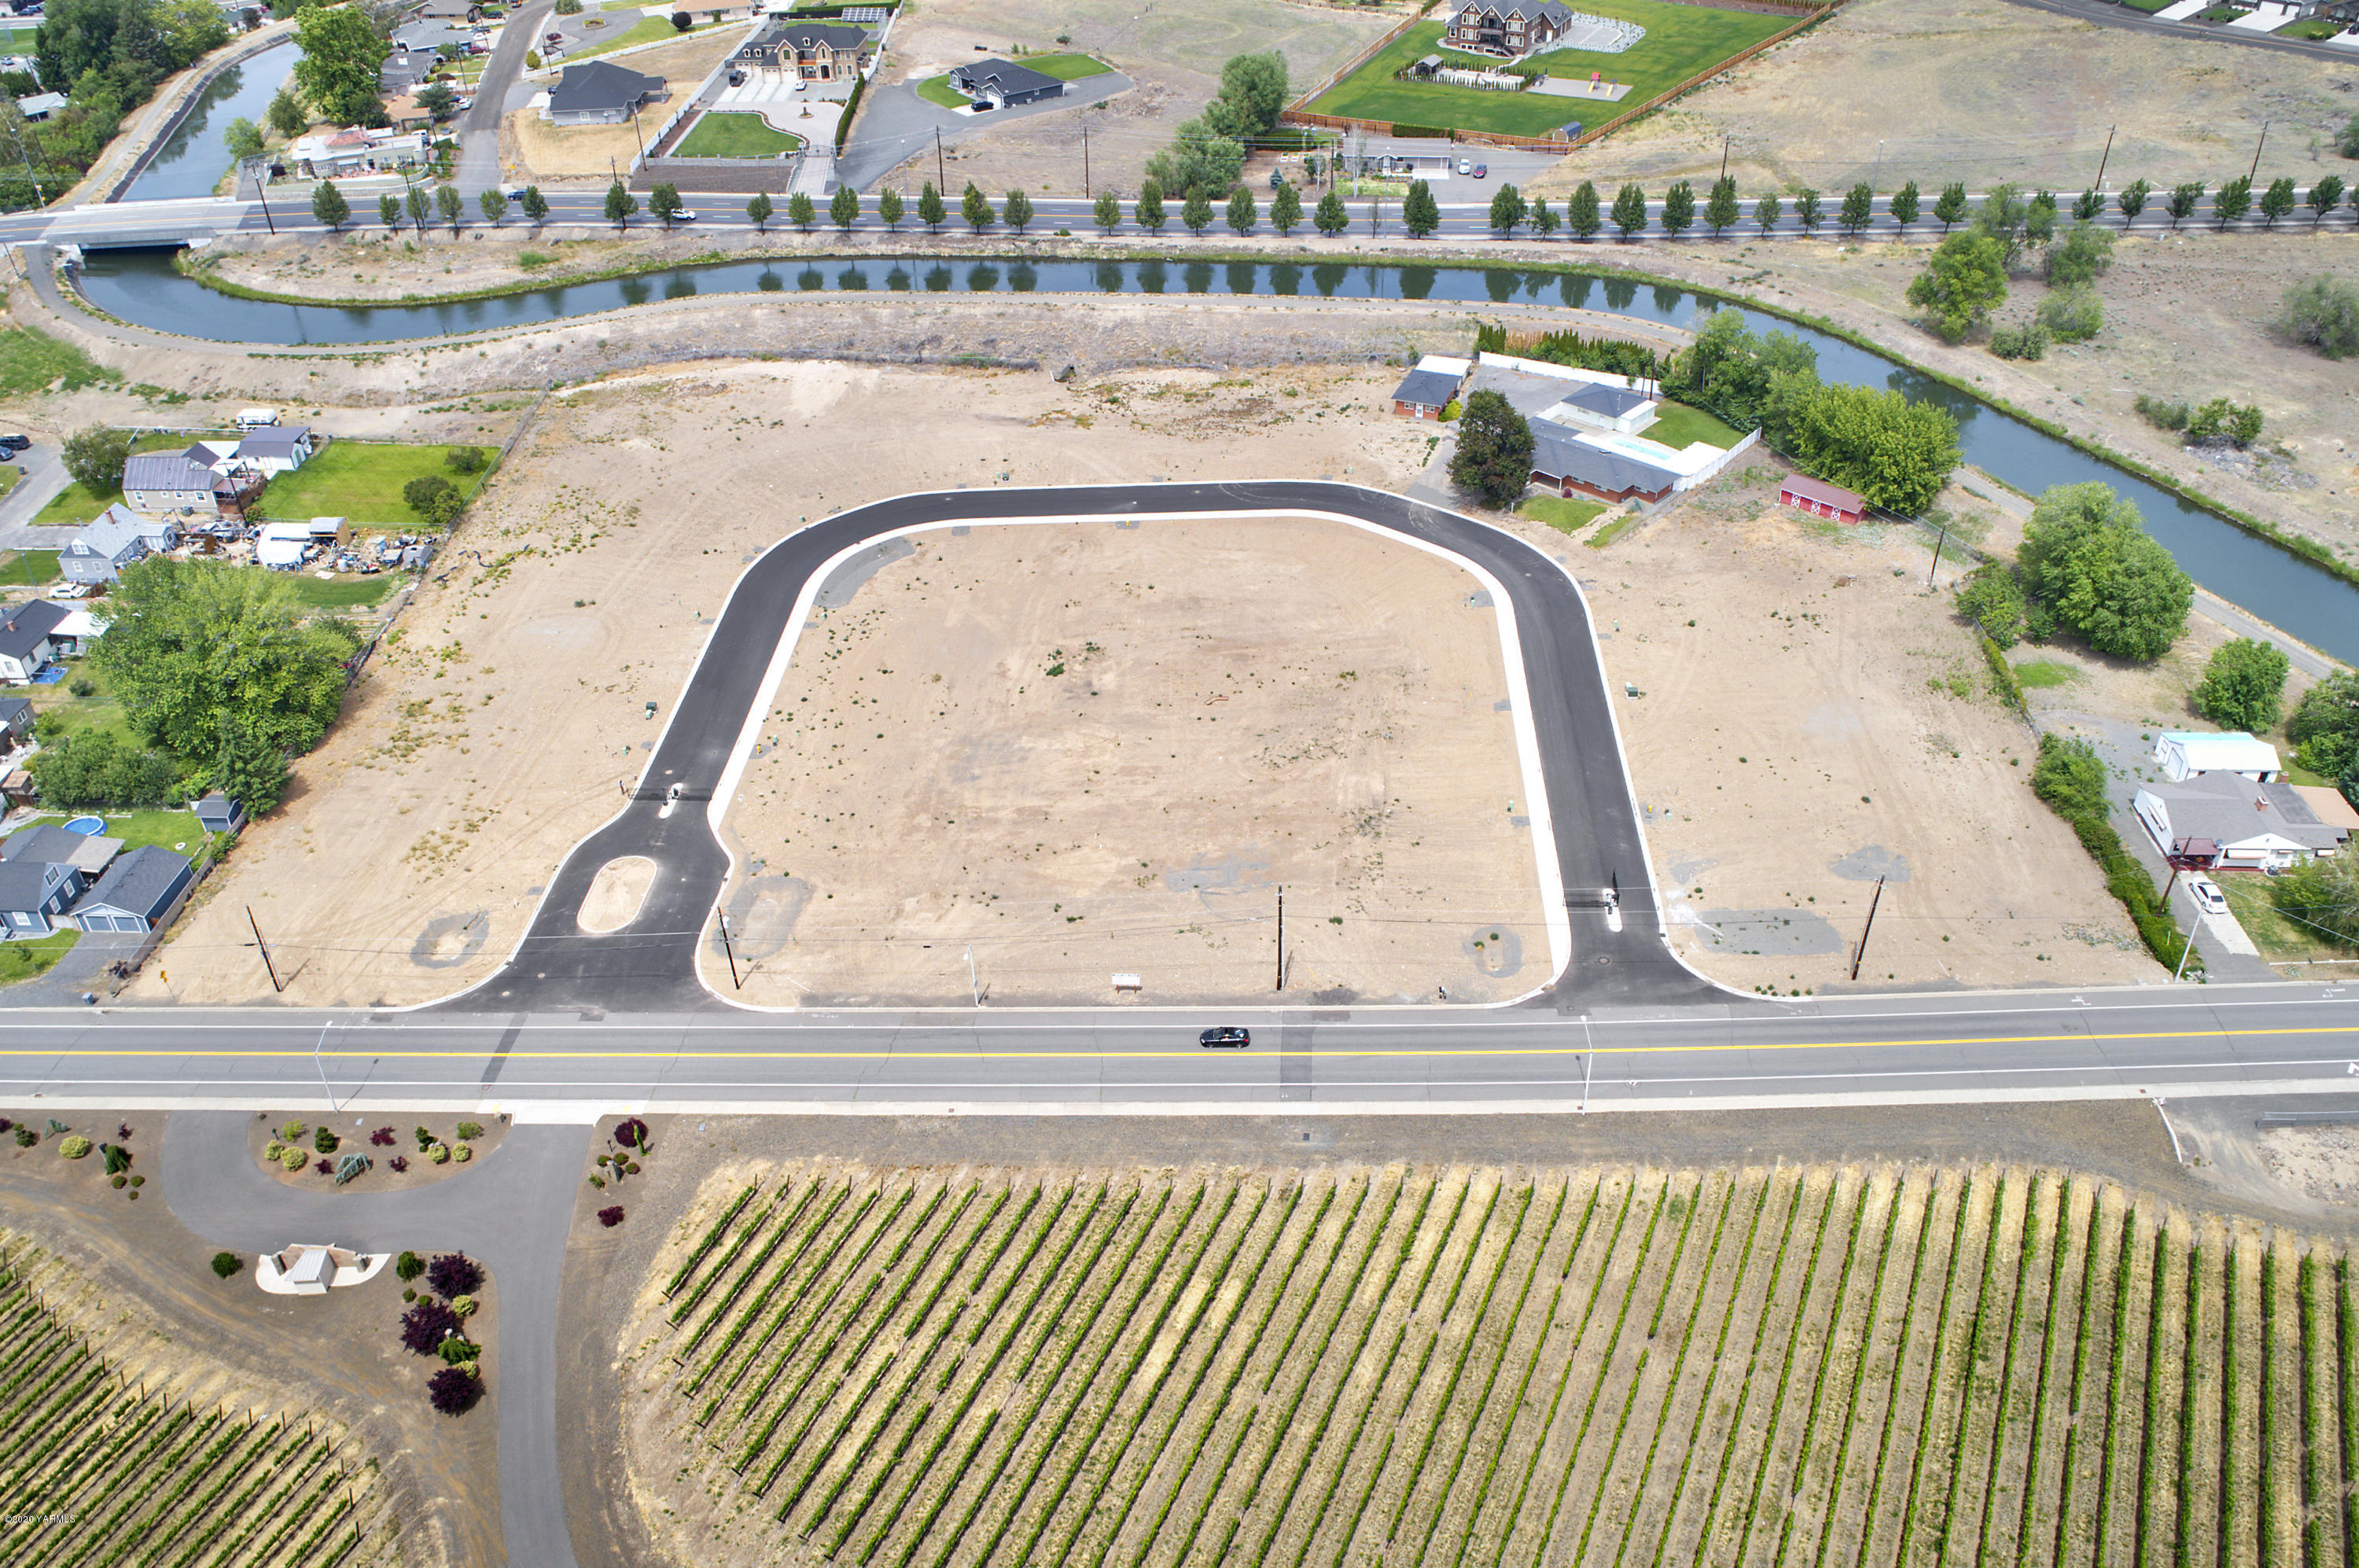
<point x="1680" y="41"/>
<point x="74" y="504"/>
<point x="2275" y="934"/>
<point x="99" y="710"/>
<point x="2034" y="674"/>
<point x="175" y="830"/>
<point x="30" y="568"/>
<point x="2310" y="27"/>
<point x="1680" y="426"/>
<point x="21" y="959"/>
<point x="1609" y="533"/>
<point x="30" y="361"/>
<point x="360" y="480"/>
<point x="1570" y="516"/>
<point x="343" y="593"/>
<point x="735" y="135"/>
<point x="650" y="30"/>
<point x="2149" y="6"/>
<point x="1065" y="67"/>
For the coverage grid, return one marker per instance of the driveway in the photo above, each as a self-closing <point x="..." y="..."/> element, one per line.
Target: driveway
<point x="82" y="969"/>
<point x="479" y="127"/>
<point x="512" y="1215"/>
<point x="45" y="477"/>
<point x="897" y="124"/>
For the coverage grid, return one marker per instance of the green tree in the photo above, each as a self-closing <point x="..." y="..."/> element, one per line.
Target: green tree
<point x="1018" y="210"/>
<point x="337" y="69"/>
<point x="1494" y="461"/>
<point x="2039" y="218"/>
<point x="888" y="210"/>
<point x="1149" y="211"/>
<point x="494" y="203"/>
<point x="2243" y="686"/>
<point x="2325" y="195"/>
<point x="665" y="203"/>
<point x="1630" y="211"/>
<point x="1330" y="218"/>
<point x="94" y="455"/>
<point x="439" y="101"/>
<point x="1108" y="212"/>
<point x="2132" y="201"/>
<point x="2073" y="313"/>
<point x="2084" y="252"/>
<point x="244" y="139"/>
<point x="932" y="210"/>
<point x="681" y="21"/>
<point x="620" y="204"/>
<point x="328" y="204"/>
<point x="2088" y="560"/>
<point x="1905" y="206"/>
<point x="2234" y="201"/>
<point x="191" y="645"/>
<point x="420" y="206"/>
<point x="2324" y="728"/>
<point x="1950" y="206"/>
<point x="1806" y="210"/>
<point x="2346" y="140"/>
<point x="1420" y="214"/>
<point x="1720" y="208"/>
<point x="535" y="205"/>
<point x="1252" y="90"/>
<point x="287" y="117"/>
<point x="1580" y="211"/>
<point x="2183" y="201"/>
<point x="388" y="212"/>
<point x="1769" y="211"/>
<point x="96" y="769"/>
<point x="2324" y="313"/>
<point x="1196" y="212"/>
<point x="975" y="208"/>
<point x="1545" y="220"/>
<point x="1284" y="211"/>
<point x="446" y="203"/>
<point x="1748" y="380"/>
<point x="1858" y="209"/>
<point x="2089" y="206"/>
<point x="1202" y="158"/>
<point x="843" y="208"/>
<point x="1964" y="279"/>
<point x="802" y="211"/>
<point x="1508" y="210"/>
<point x="248" y="769"/>
<point x="1242" y="215"/>
<point x="1992" y="600"/>
<point x="2276" y="200"/>
<point x="1895" y="452"/>
<point x="2324" y="895"/>
<point x="1679" y="208"/>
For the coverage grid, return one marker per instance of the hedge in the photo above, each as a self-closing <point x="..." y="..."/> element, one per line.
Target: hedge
<point x="2125" y="879"/>
<point x="2003" y="679"/>
<point x="851" y="108"/>
<point x="1439" y="133"/>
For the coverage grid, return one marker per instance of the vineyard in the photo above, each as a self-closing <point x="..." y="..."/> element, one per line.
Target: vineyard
<point x="99" y="1470"/>
<point x="1804" y="1367"/>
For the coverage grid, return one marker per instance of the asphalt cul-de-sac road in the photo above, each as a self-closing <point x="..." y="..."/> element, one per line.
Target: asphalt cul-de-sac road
<point x="649" y="965"/>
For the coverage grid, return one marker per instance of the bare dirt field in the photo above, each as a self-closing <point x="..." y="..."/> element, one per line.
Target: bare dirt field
<point x="497" y="728"/>
<point x="1172" y="56"/>
<point x="1984" y="90"/>
<point x="1811" y="719"/>
<point x="1104" y="747"/>
<point x="532" y="149"/>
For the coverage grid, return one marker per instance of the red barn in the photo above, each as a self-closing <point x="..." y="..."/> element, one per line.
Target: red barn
<point x="1820" y="499"/>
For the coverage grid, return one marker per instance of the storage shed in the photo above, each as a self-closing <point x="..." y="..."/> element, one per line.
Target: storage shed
<point x="1820" y="499"/>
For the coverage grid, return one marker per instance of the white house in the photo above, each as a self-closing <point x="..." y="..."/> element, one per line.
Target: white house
<point x="2183" y="754"/>
<point x="168" y="482"/>
<point x="26" y="647"/>
<point x="2225" y="820"/>
<point x="108" y="543"/>
<point x="271" y="450"/>
<point x="1600" y="406"/>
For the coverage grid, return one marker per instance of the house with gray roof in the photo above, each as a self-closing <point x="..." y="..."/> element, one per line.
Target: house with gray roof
<point x="270" y="450"/>
<point x="999" y="83"/>
<point x="1604" y="407"/>
<point x="600" y="94"/>
<point x="2225" y="821"/>
<point x="26" y="649"/>
<point x="86" y="853"/>
<point x="140" y="892"/>
<point x="110" y="541"/>
<point x="1571" y="466"/>
<point x="34" y="895"/>
<point x="168" y="482"/>
<point x="807" y="52"/>
<point x="16" y="720"/>
<point x="1432" y="386"/>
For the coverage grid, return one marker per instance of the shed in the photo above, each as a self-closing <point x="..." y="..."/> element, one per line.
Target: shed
<point x="275" y="448"/>
<point x="218" y="813"/>
<point x="1600" y="407"/>
<point x="2184" y="753"/>
<point x="1820" y="499"/>
<point x="139" y="892"/>
<point x="15" y="718"/>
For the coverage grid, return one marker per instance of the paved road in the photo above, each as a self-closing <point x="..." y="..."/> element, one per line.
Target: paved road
<point x="479" y="127"/>
<point x="650" y="965"/>
<point x="2106" y="14"/>
<point x="45" y="476"/>
<point x="512" y="1215"/>
<point x="897" y="124"/>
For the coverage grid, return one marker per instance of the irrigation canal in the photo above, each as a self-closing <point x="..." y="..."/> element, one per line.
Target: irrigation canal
<point x="143" y="287"/>
<point x="192" y="159"/>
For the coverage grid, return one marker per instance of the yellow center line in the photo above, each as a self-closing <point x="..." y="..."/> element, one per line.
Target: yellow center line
<point x="1198" y="1054"/>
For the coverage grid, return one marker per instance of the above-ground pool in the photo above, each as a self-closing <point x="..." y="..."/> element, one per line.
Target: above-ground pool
<point x="89" y="827"/>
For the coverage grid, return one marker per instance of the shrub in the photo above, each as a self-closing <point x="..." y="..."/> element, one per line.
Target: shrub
<point x="2076" y="258"/>
<point x="1992" y="598"/>
<point x="462" y="1153"/>
<point x="612" y="1217"/>
<point x="2071" y="776"/>
<point x="382" y="1138"/>
<point x="323" y="1141"/>
<point x="2162" y="415"/>
<point x="681" y="21"/>
<point x="119" y="1181"/>
<point x="82" y="686"/>
<point x="292" y="1131"/>
<point x="226" y="1264"/>
<point x="2324" y="893"/>
<point x="458" y="1349"/>
<point x="427" y="1325"/>
<point x="2027" y="341"/>
<point x="439" y="1154"/>
<point x="273" y="1150"/>
<point x="464" y="1305"/>
<point x="2073" y="313"/>
<point x="408" y="1295"/>
<point x="26" y="1138"/>
<point x="139" y="1181"/>
<point x="471" y="1131"/>
<point x="117" y="1158"/>
<point x="465" y="459"/>
<point x="325" y="1168"/>
<point x="400" y="1162"/>
<point x="408" y="1266"/>
<point x="291" y="1159"/>
<point x="2243" y="686"/>
<point x="454" y="1390"/>
<point x="2240" y="423"/>
<point x="425" y="1140"/>
<point x="631" y="1133"/>
<point x="432" y="497"/>
<point x="454" y="1274"/>
<point x="597" y="1181"/>
<point x="2324" y="313"/>
<point x="74" y="1148"/>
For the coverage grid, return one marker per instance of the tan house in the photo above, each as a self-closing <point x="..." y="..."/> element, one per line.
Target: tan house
<point x="809" y="51"/>
<point x="1510" y="31"/>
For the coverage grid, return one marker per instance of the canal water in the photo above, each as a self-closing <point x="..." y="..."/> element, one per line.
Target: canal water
<point x="2316" y="605"/>
<point x="194" y="158"/>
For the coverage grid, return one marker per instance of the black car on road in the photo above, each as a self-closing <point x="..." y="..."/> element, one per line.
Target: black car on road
<point x="1231" y="1037"/>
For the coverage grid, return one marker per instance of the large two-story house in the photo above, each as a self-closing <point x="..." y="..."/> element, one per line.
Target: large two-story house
<point x="809" y="51"/>
<point x="1510" y="31"/>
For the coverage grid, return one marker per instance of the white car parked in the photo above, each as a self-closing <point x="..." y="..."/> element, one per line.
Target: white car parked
<point x="2207" y="895"/>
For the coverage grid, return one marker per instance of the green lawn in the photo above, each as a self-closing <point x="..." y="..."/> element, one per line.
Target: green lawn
<point x="2034" y="674"/>
<point x="1063" y="66"/>
<point x="175" y="830"/>
<point x="30" y="568"/>
<point x="1570" y="516"/>
<point x="343" y="593"/>
<point x="1681" y="42"/>
<point x="1610" y="532"/>
<point x="30" y="361"/>
<point x="75" y="505"/>
<point x="735" y="135"/>
<point x="21" y="959"/>
<point x="1680" y="426"/>
<point x="2149" y="6"/>
<point x="2314" y="27"/>
<point x="360" y="480"/>
<point x="650" y="30"/>
<point x="99" y="710"/>
<point x="2277" y="935"/>
<point x="937" y="90"/>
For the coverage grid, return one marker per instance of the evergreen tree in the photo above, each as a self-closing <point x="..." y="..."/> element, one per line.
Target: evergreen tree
<point x="1679" y="208"/>
<point x="2183" y="200"/>
<point x="976" y="210"/>
<point x="2088" y="206"/>
<point x="930" y="210"/>
<point x="1769" y="211"/>
<point x="1580" y="211"/>
<point x="2325" y="195"/>
<point x="1420" y="214"/>
<point x="1904" y="206"/>
<point x="249" y="769"/>
<point x="843" y="208"/>
<point x="535" y="205"/>
<point x="620" y="204"/>
<point x="760" y="209"/>
<point x="1109" y="213"/>
<point x="1950" y="206"/>
<point x="328" y="204"/>
<point x="1545" y="220"/>
<point x="1286" y="210"/>
<point x="1330" y="218"/>
<point x="1018" y="210"/>
<point x="1630" y="211"/>
<point x="1721" y="208"/>
<point x="2276" y="200"/>
<point x="2234" y="199"/>
<point x="1242" y="215"/>
<point x="2132" y="201"/>
<point x="1149" y="210"/>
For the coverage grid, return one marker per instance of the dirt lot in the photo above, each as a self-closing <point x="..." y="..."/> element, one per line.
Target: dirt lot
<point x="497" y="729"/>
<point x="1172" y="56"/>
<point x="1107" y="745"/>
<point x="1813" y="719"/>
<point x="532" y="149"/>
<point x="1984" y="90"/>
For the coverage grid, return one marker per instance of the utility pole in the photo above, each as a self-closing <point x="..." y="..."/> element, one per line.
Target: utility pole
<point x="2108" y="156"/>
<point x="973" y="988"/>
<point x="1724" y="156"/>
<point x="942" y="180"/>
<point x="262" y="192"/>
<point x="735" y="982"/>
<point x="2255" y="173"/>
<point x="320" y="1068"/>
<point x="1085" y="160"/>
<point x="1878" y="176"/>
<point x="1861" y="951"/>
<point x="1937" y="554"/>
<point x="1281" y="938"/>
<point x="266" y="964"/>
